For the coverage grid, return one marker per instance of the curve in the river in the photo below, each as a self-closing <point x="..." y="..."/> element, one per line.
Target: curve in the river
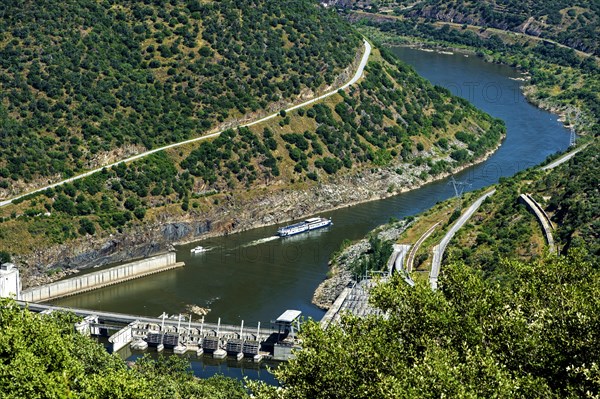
<point x="246" y="277"/>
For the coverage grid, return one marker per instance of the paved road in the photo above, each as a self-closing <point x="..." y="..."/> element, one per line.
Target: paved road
<point x="358" y="74"/>
<point x="563" y="159"/>
<point x="438" y="250"/>
<point x="402" y="252"/>
<point x="542" y="217"/>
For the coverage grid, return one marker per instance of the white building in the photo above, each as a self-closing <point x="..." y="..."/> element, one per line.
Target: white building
<point x="10" y="283"/>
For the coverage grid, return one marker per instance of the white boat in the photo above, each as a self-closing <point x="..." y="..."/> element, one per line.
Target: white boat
<point x="198" y="250"/>
<point x="307" y="225"/>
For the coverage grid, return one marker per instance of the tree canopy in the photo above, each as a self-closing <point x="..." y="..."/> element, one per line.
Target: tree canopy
<point x="531" y="330"/>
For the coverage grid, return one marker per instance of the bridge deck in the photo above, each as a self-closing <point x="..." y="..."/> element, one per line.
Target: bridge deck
<point x="127" y="318"/>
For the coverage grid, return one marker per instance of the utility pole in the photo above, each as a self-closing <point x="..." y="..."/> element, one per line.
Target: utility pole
<point x="572" y="123"/>
<point x="459" y="186"/>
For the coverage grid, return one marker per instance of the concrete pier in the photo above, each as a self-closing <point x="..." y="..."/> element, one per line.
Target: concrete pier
<point x="103" y="278"/>
<point x="121" y="338"/>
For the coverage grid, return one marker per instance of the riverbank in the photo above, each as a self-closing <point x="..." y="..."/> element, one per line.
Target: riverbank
<point x="238" y="214"/>
<point x="575" y="107"/>
<point x="339" y="275"/>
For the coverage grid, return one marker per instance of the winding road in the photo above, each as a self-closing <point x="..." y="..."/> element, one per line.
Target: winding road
<point x="357" y="75"/>
<point x="564" y="158"/>
<point x="438" y="250"/>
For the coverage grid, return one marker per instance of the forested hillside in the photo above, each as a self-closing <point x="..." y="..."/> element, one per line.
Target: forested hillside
<point x="392" y="123"/>
<point x="85" y="81"/>
<point x="573" y="23"/>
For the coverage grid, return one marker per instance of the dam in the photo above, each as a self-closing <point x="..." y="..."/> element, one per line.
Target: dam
<point x="102" y="278"/>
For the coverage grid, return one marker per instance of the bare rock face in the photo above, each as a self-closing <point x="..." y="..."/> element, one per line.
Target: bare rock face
<point x="340" y="275"/>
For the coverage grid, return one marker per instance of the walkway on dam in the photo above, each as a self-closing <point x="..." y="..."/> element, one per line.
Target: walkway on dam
<point x="125" y="319"/>
<point x="353" y="300"/>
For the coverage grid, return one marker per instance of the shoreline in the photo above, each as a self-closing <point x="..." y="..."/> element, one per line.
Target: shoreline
<point x="149" y="245"/>
<point x="383" y="195"/>
<point x="527" y="89"/>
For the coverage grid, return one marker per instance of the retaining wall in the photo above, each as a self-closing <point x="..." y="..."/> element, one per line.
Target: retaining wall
<point x="103" y="278"/>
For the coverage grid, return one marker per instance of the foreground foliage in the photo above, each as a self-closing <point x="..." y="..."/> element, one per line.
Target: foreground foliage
<point x="529" y="330"/>
<point x="41" y="356"/>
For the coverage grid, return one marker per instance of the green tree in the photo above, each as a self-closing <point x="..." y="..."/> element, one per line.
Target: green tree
<point x="86" y="226"/>
<point x="4" y="257"/>
<point x="530" y="330"/>
<point x="42" y="356"/>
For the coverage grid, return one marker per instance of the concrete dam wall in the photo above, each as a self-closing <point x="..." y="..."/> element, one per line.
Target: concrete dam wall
<point x="103" y="278"/>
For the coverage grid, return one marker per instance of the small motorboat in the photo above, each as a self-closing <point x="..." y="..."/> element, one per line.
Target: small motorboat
<point x="198" y="250"/>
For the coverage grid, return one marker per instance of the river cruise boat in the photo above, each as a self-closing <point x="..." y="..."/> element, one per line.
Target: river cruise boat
<point x="198" y="250"/>
<point x="307" y="225"/>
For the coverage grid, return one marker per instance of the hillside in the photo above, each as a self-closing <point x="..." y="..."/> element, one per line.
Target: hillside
<point x="391" y="132"/>
<point x="503" y="228"/>
<point x="572" y="23"/>
<point x="575" y="24"/>
<point x="85" y="82"/>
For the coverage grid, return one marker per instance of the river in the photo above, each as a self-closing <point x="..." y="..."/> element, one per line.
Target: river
<point x="254" y="276"/>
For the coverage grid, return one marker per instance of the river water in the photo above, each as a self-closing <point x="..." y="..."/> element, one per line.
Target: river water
<point x="254" y="276"/>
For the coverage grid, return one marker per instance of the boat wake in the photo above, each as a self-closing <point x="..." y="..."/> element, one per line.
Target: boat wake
<point x="261" y="241"/>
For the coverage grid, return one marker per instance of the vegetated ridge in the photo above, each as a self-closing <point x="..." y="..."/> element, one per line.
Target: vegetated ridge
<point x="528" y="329"/>
<point x="575" y="24"/>
<point x="86" y="82"/>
